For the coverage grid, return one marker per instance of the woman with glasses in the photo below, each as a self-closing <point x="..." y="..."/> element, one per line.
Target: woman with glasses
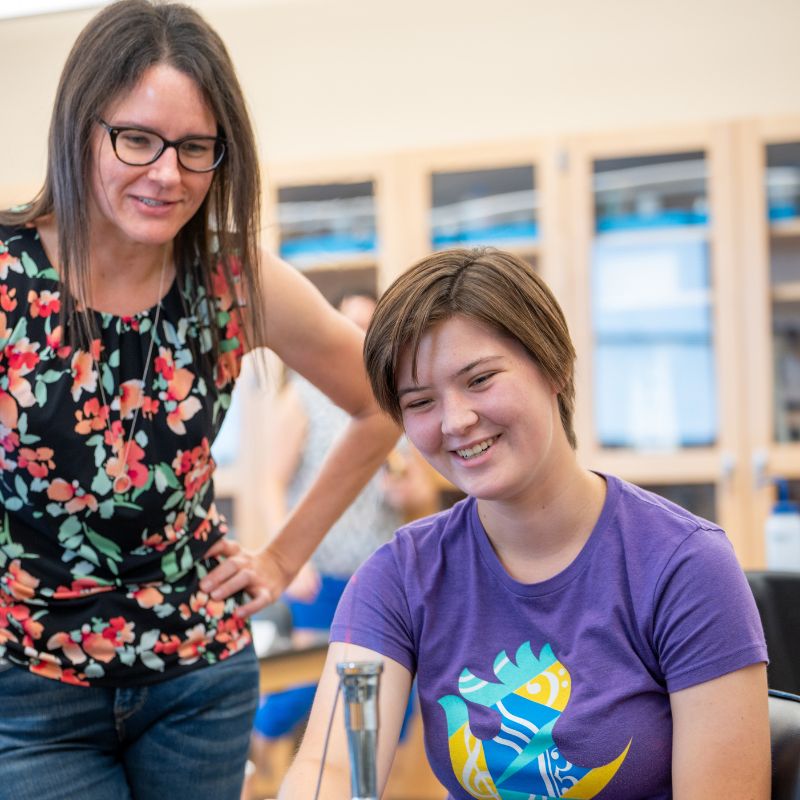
<point x="130" y="288"/>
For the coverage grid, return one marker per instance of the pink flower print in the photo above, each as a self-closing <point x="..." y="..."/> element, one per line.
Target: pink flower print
<point x="195" y="466"/>
<point x="130" y="471"/>
<point x="32" y="630"/>
<point x="20" y="358"/>
<point x="150" y="407"/>
<point x="178" y="388"/>
<point x="164" y="364"/>
<point x="80" y="588"/>
<point x="84" y="375"/>
<point x="71" y="649"/>
<point x="131" y="397"/>
<point x="52" y="670"/>
<point x="9" y="440"/>
<point x="194" y="645"/>
<point x="8" y="262"/>
<point x="38" y="462"/>
<point x="44" y="303"/>
<point x="8" y="300"/>
<point x="103" y="646"/>
<point x="19" y="583"/>
<point x="92" y="417"/>
<point x="148" y="597"/>
<point x="54" y="339"/>
<point x="74" y="498"/>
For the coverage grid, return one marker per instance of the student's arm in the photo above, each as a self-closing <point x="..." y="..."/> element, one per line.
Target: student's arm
<point x="318" y="342"/>
<point x="395" y="685"/>
<point x="721" y="746"/>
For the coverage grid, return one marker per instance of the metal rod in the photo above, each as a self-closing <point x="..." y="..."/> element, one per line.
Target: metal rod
<point x="360" y="683"/>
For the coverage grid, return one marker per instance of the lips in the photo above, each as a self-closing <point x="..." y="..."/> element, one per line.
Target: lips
<point x="476" y="449"/>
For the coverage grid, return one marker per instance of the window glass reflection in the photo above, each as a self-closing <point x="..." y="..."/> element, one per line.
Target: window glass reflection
<point x="654" y="374"/>
<point x="495" y="207"/>
<point x="327" y="223"/>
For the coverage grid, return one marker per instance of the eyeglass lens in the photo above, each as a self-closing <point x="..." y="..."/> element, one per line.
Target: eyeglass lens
<point x="137" y="148"/>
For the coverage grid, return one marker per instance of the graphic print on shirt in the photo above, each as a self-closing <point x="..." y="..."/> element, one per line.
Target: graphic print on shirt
<point x="522" y="762"/>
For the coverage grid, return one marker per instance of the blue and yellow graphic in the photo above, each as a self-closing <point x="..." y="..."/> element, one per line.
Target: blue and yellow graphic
<point x="522" y="762"/>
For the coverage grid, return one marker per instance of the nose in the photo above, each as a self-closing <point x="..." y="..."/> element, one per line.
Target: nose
<point x="458" y="415"/>
<point x="166" y="169"/>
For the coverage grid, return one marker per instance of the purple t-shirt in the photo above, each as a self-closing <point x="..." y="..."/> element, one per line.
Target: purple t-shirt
<point x="559" y="688"/>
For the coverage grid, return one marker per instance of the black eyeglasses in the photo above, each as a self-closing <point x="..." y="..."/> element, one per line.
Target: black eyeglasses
<point x="138" y="148"/>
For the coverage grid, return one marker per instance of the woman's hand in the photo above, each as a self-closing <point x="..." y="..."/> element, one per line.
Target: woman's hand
<point x="260" y="575"/>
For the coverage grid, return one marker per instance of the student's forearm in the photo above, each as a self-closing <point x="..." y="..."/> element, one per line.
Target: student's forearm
<point x="301" y="781"/>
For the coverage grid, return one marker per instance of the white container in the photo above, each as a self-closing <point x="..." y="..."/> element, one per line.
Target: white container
<point x="782" y="533"/>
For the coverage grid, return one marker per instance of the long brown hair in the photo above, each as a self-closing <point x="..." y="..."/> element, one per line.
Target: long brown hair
<point x="108" y="58"/>
<point x="490" y="286"/>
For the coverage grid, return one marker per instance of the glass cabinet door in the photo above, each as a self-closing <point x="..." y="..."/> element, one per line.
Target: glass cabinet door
<point x="654" y="366"/>
<point x="782" y="189"/>
<point x="329" y="232"/>
<point x="658" y="370"/>
<point x="496" y="207"/>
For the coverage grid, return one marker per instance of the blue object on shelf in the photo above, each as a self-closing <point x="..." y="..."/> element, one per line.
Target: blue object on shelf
<point x="327" y="245"/>
<point x="523" y="231"/>
<point x="783" y="211"/>
<point x="664" y="219"/>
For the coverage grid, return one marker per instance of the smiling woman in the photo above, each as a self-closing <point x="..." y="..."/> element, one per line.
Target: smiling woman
<point x="130" y="291"/>
<point x="570" y="633"/>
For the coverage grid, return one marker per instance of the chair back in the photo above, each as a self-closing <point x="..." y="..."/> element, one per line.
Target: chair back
<point x="777" y="595"/>
<point x="784" y="724"/>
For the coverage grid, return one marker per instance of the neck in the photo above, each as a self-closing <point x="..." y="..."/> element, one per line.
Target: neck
<point x="123" y="280"/>
<point x="541" y="534"/>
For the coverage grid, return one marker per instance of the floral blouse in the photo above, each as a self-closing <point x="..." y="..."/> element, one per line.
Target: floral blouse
<point x="102" y="536"/>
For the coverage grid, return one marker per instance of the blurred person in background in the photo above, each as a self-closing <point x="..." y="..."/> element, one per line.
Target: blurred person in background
<point x="307" y="425"/>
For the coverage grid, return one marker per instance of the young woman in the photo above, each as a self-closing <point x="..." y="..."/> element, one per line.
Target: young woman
<point x="130" y="289"/>
<point x="571" y="634"/>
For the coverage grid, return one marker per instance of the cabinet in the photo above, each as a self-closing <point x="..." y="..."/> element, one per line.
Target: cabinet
<point x="769" y="158"/>
<point x="675" y="254"/>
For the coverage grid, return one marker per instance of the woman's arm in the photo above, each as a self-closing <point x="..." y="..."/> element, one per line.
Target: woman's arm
<point x="721" y="746"/>
<point x="323" y="346"/>
<point x="395" y="685"/>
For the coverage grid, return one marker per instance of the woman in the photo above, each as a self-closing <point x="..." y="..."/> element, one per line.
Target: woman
<point x="129" y="290"/>
<point x="571" y="634"/>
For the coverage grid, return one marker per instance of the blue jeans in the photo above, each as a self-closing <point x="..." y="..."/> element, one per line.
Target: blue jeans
<point x="186" y="738"/>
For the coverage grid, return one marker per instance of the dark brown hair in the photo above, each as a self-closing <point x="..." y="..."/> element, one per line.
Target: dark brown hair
<point x="108" y="58"/>
<point x="490" y="286"/>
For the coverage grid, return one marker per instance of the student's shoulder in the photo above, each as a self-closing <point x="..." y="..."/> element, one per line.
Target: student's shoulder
<point x="641" y="505"/>
<point x="449" y="522"/>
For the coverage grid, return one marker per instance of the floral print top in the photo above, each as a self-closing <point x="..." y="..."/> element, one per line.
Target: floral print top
<point x="102" y="541"/>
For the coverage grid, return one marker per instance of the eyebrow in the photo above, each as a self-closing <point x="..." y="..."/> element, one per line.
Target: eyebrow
<point x="148" y="129"/>
<point x="466" y="368"/>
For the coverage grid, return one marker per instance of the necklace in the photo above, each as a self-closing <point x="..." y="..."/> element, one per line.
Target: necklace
<point x="124" y="466"/>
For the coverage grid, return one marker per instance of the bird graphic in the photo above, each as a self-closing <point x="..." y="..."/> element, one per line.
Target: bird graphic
<point x="522" y="762"/>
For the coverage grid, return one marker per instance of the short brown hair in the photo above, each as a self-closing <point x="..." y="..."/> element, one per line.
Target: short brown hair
<point x="490" y="286"/>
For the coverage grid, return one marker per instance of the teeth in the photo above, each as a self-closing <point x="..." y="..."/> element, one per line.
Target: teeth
<point x="148" y="202"/>
<point x="471" y="452"/>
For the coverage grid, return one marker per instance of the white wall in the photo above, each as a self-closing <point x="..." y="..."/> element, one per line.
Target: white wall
<point x="328" y="78"/>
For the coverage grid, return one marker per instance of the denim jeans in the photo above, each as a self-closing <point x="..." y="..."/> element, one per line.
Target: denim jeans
<point x="185" y="738"/>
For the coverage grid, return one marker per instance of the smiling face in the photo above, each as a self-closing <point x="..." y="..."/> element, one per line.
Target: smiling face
<point x="481" y="412"/>
<point x="149" y="205"/>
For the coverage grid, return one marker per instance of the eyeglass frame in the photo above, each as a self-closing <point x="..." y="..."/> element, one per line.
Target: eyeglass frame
<point x="114" y="130"/>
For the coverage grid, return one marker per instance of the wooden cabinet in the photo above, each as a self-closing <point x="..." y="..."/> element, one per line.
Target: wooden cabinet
<point x="655" y="324"/>
<point x="769" y="210"/>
